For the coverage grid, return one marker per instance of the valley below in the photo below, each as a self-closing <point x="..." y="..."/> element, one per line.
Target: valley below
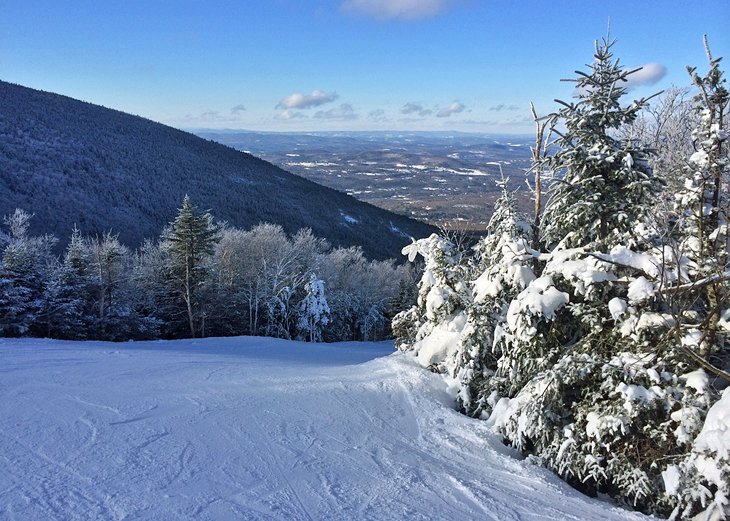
<point x="445" y="179"/>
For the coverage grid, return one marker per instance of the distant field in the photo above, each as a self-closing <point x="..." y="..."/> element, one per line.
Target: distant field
<point x="444" y="179"/>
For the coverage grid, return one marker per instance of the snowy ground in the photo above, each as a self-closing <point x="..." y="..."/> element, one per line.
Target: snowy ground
<point x="251" y="428"/>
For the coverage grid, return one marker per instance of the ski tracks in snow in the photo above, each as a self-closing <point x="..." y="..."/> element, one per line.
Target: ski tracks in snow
<point x="252" y="429"/>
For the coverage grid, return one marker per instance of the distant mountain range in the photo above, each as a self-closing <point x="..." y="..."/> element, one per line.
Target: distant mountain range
<point x="444" y="178"/>
<point x="71" y="162"/>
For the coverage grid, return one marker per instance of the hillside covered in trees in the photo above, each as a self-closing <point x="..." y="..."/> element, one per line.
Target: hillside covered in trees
<point x="74" y="163"/>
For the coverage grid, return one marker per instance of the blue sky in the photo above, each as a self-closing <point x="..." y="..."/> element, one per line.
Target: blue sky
<point x="290" y="65"/>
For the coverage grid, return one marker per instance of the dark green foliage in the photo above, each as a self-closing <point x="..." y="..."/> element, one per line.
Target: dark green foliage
<point x="188" y="243"/>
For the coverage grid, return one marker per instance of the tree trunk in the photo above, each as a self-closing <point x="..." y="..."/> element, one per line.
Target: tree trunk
<point x="189" y="299"/>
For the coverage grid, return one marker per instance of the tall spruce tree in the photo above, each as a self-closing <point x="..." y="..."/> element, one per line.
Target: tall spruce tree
<point x="189" y="242"/>
<point x="502" y="268"/>
<point x="67" y="291"/>
<point x="26" y="262"/>
<point x="600" y="182"/>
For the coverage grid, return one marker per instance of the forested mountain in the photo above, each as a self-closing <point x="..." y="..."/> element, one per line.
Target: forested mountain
<point x="71" y="162"/>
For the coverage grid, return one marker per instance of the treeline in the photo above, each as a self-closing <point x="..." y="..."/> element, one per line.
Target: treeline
<point x="200" y="278"/>
<point x="593" y="334"/>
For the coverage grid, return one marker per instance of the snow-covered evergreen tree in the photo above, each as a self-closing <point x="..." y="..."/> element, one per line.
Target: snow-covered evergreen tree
<point x="188" y="242"/>
<point x="586" y="355"/>
<point x="700" y="300"/>
<point x="432" y="328"/>
<point x="704" y="205"/>
<point x="598" y="179"/>
<point x="589" y="380"/>
<point x="67" y="291"/>
<point x="24" y="270"/>
<point x="501" y="268"/>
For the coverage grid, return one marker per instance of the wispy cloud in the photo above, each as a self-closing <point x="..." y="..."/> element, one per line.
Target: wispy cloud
<point x="237" y="109"/>
<point x="415" y="108"/>
<point x="299" y="100"/>
<point x="290" y="114"/>
<point x="390" y="9"/>
<point x="649" y="74"/>
<point x="213" y="116"/>
<point x="502" y="108"/>
<point x="344" y="111"/>
<point x="454" y="108"/>
<point x="378" y="116"/>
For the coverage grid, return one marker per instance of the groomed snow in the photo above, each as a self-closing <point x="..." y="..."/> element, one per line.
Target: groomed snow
<point x="252" y="428"/>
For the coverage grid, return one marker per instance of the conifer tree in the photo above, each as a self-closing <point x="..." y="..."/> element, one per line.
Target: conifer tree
<point x="26" y="261"/>
<point x="599" y="181"/>
<point x="67" y="293"/>
<point x="188" y="242"/>
<point x="501" y="269"/>
<point x="432" y="328"/>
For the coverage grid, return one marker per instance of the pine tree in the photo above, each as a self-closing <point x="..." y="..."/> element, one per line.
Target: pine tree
<point x="24" y="272"/>
<point x="500" y="270"/>
<point x="701" y="482"/>
<point x="67" y="293"/>
<point x="599" y="180"/>
<point x="431" y="329"/>
<point x="188" y="242"/>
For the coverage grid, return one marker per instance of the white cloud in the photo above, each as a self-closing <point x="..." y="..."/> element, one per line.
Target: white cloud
<point x="389" y="9"/>
<point x="415" y="108"/>
<point x="454" y="108"/>
<point x="649" y="74"/>
<point x="344" y="111"/>
<point x="305" y="101"/>
<point x="502" y="107"/>
<point x="237" y="109"/>
<point x="290" y="114"/>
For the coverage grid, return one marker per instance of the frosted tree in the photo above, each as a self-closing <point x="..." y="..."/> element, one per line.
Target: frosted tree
<point x="67" y="292"/>
<point x="432" y="328"/>
<point x="360" y="293"/>
<point x="666" y="124"/>
<point x="314" y="312"/>
<point x="590" y="377"/>
<point x="704" y="204"/>
<point x="24" y="271"/>
<point x="501" y="268"/>
<point x="701" y="300"/>
<point x="599" y="180"/>
<point x="188" y="242"/>
<point x="107" y="267"/>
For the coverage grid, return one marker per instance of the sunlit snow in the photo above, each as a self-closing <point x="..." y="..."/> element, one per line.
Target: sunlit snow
<point x="253" y="428"/>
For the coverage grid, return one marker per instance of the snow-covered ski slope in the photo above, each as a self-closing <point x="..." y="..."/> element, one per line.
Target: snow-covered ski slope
<point x="252" y="428"/>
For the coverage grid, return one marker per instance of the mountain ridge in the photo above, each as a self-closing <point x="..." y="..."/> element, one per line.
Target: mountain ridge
<point x="71" y="162"/>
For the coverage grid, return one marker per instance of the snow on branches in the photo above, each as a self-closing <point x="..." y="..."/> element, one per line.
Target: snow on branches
<point x="598" y="348"/>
